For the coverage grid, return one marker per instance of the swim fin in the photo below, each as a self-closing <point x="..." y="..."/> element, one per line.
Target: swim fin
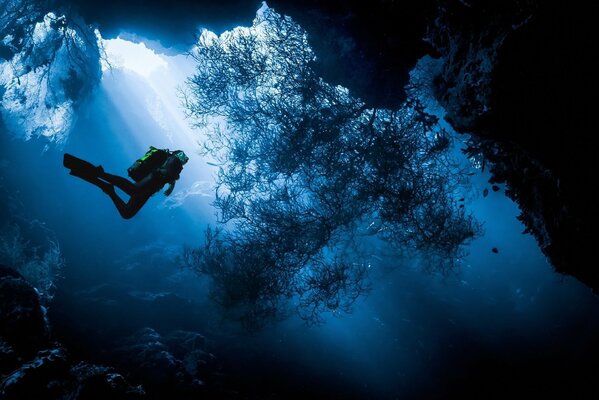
<point x="79" y="166"/>
<point x="86" y="171"/>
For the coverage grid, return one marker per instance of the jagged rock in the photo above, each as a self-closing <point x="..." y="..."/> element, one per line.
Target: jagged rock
<point x="149" y="358"/>
<point x="190" y="348"/>
<point x="174" y="25"/>
<point x="98" y="382"/>
<point x="513" y="79"/>
<point x="9" y="360"/>
<point x="176" y="363"/>
<point x="33" y="368"/>
<point x="22" y="324"/>
<point x="51" y="376"/>
<point x="469" y="37"/>
<point x="368" y="47"/>
<point x="42" y="378"/>
<point x="49" y="53"/>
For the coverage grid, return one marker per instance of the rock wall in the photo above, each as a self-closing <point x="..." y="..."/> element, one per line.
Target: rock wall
<point x="32" y="366"/>
<point x="515" y="79"/>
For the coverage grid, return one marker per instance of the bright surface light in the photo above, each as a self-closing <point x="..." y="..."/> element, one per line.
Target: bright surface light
<point x="144" y="84"/>
<point x="135" y="57"/>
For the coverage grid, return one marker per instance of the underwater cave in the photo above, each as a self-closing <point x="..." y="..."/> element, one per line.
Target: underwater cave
<point x="373" y="200"/>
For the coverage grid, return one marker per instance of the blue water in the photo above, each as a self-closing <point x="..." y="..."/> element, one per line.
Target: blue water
<point x="498" y="320"/>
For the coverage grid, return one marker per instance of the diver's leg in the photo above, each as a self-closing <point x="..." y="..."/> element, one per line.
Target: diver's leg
<point x="106" y="187"/>
<point x="122" y="183"/>
<point x="146" y="184"/>
<point x="135" y="203"/>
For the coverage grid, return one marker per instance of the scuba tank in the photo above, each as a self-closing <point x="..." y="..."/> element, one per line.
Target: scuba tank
<point x="153" y="159"/>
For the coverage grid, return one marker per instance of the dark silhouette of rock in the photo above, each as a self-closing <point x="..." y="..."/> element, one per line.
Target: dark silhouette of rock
<point x="43" y="377"/>
<point x="495" y="188"/>
<point x="22" y="324"/>
<point x="32" y="367"/>
<point x="150" y="336"/>
<point x="177" y="363"/>
<point x="98" y="382"/>
<point x="149" y="358"/>
<point x="513" y="79"/>
<point x="175" y="26"/>
<point x="368" y="47"/>
<point x="51" y="375"/>
<point x="9" y="359"/>
<point x="495" y="250"/>
<point x="191" y="349"/>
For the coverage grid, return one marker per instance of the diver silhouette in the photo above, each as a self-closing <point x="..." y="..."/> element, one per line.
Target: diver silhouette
<point x="150" y="173"/>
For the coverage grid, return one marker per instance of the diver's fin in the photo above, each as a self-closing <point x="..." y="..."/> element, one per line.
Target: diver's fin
<point x="72" y="162"/>
<point x="80" y="167"/>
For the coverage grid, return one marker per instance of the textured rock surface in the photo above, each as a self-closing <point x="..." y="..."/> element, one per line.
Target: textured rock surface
<point x="514" y="78"/>
<point x="22" y="325"/>
<point x="32" y="367"/>
<point x="52" y="375"/>
<point x="49" y="64"/>
<point x="173" y="363"/>
<point x="368" y="47"/>
<point x="150" y="336"/>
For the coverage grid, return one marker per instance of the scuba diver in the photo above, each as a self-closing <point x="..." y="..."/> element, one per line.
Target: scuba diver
<point x="150" y="173"/>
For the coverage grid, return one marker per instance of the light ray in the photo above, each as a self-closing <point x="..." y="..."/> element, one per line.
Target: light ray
<point x="140" y="81"/>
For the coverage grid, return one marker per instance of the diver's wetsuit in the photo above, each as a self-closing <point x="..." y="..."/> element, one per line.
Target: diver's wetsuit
<point x="139" y="192"/>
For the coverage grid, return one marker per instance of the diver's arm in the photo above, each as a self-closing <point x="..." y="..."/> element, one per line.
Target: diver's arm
<point x="170" y="171"/>
<point x="169" y="190"/>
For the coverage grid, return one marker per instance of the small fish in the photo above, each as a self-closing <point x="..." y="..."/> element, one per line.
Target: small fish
<point x="485" y="192"/>
<point x="462" y="199"/>
<point x="211" y="163"/>
<point x="495" y="188"/>
<point x="495" y="250"/>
